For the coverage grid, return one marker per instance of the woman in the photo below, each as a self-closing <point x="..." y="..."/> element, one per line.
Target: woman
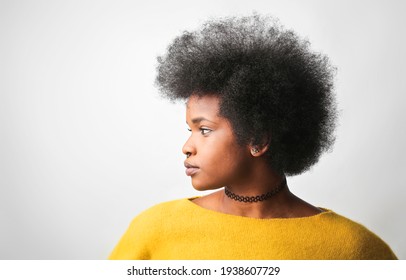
<point x="260" y="107"/>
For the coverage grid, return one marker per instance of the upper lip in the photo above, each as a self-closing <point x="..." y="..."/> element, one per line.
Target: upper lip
<point x="188" y="165"/>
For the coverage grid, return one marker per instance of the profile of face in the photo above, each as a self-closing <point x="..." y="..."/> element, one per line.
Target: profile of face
<point x="214" y="158"/>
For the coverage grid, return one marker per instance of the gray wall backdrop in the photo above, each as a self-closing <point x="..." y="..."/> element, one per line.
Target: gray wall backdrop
<point x="86" y="143"/>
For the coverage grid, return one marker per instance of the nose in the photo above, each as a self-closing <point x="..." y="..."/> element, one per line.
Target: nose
<point x="188" y="148"/>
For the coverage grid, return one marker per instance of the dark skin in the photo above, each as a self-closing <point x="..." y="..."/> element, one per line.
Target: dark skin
<point x="215" y="159"/>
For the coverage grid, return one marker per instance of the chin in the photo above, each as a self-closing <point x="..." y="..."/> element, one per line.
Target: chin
<point x="200" y="186"/>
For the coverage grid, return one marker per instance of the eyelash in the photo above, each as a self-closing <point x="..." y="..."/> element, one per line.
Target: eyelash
<point x="203" y="131"/>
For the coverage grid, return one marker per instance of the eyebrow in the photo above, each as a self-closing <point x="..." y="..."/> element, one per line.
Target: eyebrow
<point x="200" y="119"/>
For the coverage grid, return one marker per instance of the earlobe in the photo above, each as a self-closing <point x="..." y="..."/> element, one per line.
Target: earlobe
<point x="257" y="151"/>
<point x="259" y="148"/>
<point x="254" y="151"/>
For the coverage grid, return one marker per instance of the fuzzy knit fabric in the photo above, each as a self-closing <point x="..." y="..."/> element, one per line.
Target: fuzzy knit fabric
<point x="180" y="230"/>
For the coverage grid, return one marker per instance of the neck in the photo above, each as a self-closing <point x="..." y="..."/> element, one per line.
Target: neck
<point x="257" y="198"/>
<point x="261" y="180"/>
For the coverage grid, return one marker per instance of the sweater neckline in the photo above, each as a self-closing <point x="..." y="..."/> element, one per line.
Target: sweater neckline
<point x="206" y="211"/>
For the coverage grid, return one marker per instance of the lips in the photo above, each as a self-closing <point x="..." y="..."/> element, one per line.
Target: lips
<point x="190" y="169"/>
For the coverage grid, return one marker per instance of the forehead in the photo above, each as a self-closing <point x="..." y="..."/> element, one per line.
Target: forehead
<point x="208" y="104"/>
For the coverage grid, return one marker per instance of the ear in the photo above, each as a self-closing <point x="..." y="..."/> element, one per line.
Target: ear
<point x="259" y="149"/>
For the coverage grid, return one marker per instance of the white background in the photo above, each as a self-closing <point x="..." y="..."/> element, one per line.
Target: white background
<point x="86" y="143"/>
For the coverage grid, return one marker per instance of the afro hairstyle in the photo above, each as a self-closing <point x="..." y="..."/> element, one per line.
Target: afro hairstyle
<point x="270" y="85"/>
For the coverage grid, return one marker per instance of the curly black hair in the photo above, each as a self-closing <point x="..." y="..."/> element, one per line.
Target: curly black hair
<point x="270" y="84"/>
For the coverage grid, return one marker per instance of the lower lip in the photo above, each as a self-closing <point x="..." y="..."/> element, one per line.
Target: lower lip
<point x="191" y="171"/>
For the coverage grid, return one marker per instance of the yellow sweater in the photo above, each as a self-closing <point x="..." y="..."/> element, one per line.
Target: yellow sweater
<point x="180" y="230"/>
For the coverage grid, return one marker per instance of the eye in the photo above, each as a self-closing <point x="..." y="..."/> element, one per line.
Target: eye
<point x="189" y="130"/>
<point x="205" y="131"/>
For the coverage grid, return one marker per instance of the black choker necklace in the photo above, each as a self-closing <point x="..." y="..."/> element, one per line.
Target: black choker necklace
<point x="250" y="199"/>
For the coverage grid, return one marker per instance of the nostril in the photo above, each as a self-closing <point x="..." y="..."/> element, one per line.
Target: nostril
<point x="188" y="154"/>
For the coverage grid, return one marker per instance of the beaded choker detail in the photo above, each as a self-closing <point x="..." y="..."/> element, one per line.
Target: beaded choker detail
<point x="258" y="198"/>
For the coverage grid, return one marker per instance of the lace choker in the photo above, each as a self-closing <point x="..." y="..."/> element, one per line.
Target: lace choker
<point x="258" y="198"/>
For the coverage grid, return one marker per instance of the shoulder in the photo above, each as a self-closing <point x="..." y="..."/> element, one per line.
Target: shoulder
<point x="344" y="225"/>
<point x="363" y="243"/>
<point x="161" y="213"/>
<point x="165" y="208"/>
<point x="148" y="230"/>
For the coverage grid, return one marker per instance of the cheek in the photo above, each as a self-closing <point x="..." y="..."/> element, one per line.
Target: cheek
<point x="237" y="163"/>
<point x="221" y="168"/>
<point x="229" y="163"/>
<point x="221" y="155"/>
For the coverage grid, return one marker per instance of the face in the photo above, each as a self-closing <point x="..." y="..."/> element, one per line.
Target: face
<point x="214" y="158"/>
